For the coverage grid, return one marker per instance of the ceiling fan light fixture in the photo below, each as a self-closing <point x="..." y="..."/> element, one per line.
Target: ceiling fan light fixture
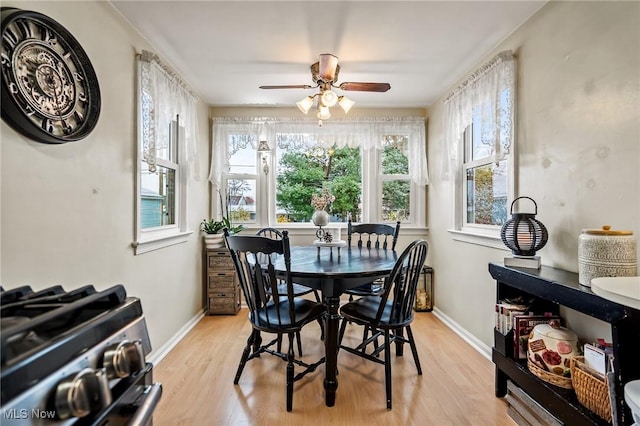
<point x="323" y="113"/>
<point x="327" y="67"/>
<point x="345" y="103"/>
<point x="305" y="104"/>
<point x="329" y="98"/>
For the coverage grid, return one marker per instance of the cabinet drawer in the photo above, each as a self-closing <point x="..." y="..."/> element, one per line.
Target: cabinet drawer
<point x="222" y="281"/>
<point x="220" y="260"/>
<point x="223" y="305"/>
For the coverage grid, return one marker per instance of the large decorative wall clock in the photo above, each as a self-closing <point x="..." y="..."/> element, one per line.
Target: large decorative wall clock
<point x="50" y="91"/>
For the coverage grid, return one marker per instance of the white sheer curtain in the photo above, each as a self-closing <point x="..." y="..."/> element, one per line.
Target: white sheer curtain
<point x="165" y="96"/>
<point x="364" y="132"/>
<point x="490" y="92"/>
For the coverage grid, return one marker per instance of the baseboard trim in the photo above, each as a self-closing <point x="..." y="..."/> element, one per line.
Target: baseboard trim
<point x="157" y="356"/>
<point x="475" y="343"/>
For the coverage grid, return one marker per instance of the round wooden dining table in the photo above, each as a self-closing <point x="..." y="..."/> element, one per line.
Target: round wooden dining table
<point x="332" y="272"/>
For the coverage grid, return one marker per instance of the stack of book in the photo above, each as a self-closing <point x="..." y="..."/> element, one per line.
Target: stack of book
<point x="506" y="310"/>
<point x="515" y="317"/>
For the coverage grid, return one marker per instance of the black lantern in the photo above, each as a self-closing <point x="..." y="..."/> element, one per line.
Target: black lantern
<point x="523" y="233"/>
<point x="424" y="291"/>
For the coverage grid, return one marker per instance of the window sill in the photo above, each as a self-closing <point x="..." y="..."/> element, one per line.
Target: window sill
<point x="161" y="241"/>
<point x="487" y="240"/>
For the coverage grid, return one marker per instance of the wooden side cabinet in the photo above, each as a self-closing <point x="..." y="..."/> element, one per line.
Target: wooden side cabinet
<point x="551" y="288"/>
<point x="221" y="281"/>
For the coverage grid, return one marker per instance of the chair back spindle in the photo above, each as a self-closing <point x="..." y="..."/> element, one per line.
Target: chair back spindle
<point x="373" y="235"/>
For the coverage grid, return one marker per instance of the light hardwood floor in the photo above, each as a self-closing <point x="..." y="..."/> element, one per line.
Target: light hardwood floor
<point x="456" y="387"/>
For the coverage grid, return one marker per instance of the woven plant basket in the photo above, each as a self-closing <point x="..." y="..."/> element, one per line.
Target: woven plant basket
<point x="592" y="391"/>
<point x="554" y="379"/>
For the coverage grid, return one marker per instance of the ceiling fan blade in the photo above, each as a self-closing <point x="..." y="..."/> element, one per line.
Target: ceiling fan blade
<point x="365" y="87"/>
<point x="294" y="86"/>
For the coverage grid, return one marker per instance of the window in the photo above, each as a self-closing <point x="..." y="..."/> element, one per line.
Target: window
<point x="487" y="179"/>
<point x="394" y="178"/>
<point x="367" y="168"/>
<point x="166" y="150"/>
<point x="158" y="187"/>
<point x="241" y="180"/>
<point x="162" y="195"/>
<point x="479" y="116"/>
<point x="305" y="168"/>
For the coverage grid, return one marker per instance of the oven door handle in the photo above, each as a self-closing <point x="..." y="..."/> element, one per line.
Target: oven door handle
<point x="144" y="413"/>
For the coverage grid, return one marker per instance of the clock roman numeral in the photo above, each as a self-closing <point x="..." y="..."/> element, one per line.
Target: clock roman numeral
<point x="10" y="38"/>
<point x="25" y="28"/>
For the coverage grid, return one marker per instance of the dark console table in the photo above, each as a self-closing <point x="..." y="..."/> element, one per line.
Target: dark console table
<point x="551" y="288"/>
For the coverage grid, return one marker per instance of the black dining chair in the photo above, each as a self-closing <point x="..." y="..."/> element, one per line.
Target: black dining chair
<point x="298" y="290"/>
<point x="376" y="236"/>
<point x="272" y="308"/>
<point x="389" y="314"/>
<point x="370" y="236"/>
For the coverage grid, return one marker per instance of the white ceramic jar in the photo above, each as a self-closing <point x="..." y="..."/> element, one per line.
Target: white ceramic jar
<point x="606" y="253"/>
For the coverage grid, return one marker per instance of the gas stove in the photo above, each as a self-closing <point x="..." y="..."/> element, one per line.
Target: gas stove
<point x="74" y="357"/>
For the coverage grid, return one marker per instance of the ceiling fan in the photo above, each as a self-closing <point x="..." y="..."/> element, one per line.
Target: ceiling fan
<point x="324" y="74"/>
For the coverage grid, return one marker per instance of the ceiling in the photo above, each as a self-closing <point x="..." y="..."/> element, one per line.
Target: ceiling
<point x="226" y="49"/>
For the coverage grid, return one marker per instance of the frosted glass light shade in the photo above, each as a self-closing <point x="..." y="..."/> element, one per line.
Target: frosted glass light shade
<point x="323" y="113"/>
<point x="329" y="98"/>
<point x="305" y="104"/>
<point x="345" y="103"/>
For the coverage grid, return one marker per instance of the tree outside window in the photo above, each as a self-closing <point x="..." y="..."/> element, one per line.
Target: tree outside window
<point x="303" y="172"/>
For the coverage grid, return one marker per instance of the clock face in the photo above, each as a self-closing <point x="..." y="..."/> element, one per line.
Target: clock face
<point x="50" y="91"/>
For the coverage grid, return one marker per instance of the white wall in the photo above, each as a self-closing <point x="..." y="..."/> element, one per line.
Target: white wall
<point x="578" y="149"/>
<point x="67" y="211"/>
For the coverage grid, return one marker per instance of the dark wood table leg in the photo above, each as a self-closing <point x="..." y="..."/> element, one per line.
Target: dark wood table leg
<point x="331" y="350"/>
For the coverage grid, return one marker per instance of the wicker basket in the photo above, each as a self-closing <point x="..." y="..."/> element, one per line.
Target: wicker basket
<point x="554" y="379"/>
<point x="592" y="390"/>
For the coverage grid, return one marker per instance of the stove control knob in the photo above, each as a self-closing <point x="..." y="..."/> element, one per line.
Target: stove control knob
<point x="123" y="359"/>
<point x="82" y="393"/>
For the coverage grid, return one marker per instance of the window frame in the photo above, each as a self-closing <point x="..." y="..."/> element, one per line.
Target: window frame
<point x="413" y="188"/>
<point x="226" y="177"/>
<point x="154" y="238"/>
<point x="485" y="235"/>
<point x="372" y="179"/>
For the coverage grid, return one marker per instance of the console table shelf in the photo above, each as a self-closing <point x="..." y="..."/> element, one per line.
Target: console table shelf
<point x="551" y="288"/>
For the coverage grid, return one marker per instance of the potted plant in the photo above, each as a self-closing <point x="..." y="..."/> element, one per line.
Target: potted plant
<point x="213" y="229"/>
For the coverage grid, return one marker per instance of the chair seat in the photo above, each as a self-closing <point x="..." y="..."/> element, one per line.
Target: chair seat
<point x="365" y="310"/>
<point x="298" y="289"/>
<point x="305" y="311"/>
<point x="370" y="289"/>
